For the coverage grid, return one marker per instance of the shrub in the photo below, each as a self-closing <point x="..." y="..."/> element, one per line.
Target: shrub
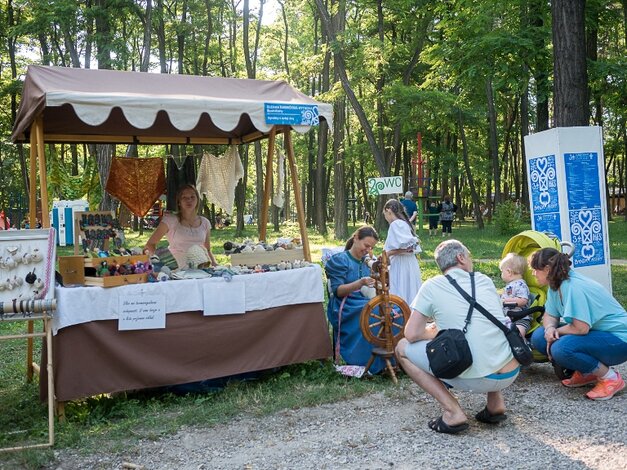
<point x="509" y="217"/>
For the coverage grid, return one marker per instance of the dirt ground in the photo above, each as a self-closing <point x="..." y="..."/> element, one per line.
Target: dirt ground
<point x="549" y="425"/>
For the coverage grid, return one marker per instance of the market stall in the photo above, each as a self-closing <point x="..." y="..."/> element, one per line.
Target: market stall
<point x="67" y="105"/>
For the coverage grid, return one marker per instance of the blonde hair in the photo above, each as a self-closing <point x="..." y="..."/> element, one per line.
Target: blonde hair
<point x="515" y="263"/>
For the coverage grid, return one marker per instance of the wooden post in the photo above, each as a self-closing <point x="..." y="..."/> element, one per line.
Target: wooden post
<point x="49" y="370"/>
<point x="32" y="220"/>
<point x="263" y="214"/>
<point x="32" y="176"/>
<point x="43" y="182"/>
<point x="300" y="209"/>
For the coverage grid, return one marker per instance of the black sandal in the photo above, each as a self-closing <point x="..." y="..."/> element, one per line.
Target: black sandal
<point x="486" y="417"/>
<point x="438" y="425"/>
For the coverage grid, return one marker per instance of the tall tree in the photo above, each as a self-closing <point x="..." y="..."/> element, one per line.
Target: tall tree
<point x="570" y="73"/>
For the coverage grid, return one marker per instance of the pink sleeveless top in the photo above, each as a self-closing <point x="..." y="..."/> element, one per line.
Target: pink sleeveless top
<point x="180" y="237"/>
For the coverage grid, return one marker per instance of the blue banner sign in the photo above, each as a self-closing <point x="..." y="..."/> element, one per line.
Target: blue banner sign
<point x="584" y="207"/>
<point x="586" y="233"/>
<point x="291" y="114"/>
<point x="548" y="223"/>
<point x="543" y="182"/>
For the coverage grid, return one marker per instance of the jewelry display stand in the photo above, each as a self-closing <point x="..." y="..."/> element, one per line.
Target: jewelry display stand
<point x="27" y="260"/>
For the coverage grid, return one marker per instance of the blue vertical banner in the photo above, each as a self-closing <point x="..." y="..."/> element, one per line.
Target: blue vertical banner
<point x="543" y="180"/>
<point x="292" y="114"/>
<point x="548" y="223"/>
<point x="584" y="207"/>
<point x="544" y="195"/>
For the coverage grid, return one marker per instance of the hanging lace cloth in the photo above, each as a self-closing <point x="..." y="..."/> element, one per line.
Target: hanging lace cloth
<point x="137" y="182"/>
<point x="218" y="176"/>
<point x="278" y="197"/>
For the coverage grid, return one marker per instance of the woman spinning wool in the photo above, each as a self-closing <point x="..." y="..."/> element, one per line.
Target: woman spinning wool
<point x="400" y="245"/>
<point x="584" y="327"/>
<point x="183" y="229"/>
<point x="348" y="273"/>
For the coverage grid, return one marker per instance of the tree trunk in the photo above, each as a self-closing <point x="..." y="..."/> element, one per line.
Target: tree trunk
<point x="571" y="107"/>
<point x="494" y="145"/>
<point x="340" y="65"/>
<point x="471" y="182"/>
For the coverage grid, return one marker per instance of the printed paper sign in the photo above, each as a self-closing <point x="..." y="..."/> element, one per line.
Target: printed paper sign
<point x="292" y="114"/>
<point x="548" y="223"/>
<point x="141" y="312"/>
<point x="586" y="233"/>
<point x="582" y="180"/>
<point x="388" y="185"/>
<point x="222" y="298"/>
<point x="543" y="183"/>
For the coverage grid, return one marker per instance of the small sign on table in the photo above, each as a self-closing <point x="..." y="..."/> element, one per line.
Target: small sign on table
<point x="141" y="312"/>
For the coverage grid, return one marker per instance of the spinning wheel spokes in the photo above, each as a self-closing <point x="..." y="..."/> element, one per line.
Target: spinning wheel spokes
<point x="373" y="320"/>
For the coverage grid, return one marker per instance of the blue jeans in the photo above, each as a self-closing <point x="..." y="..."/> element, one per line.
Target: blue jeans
<point x="583" y="352"/>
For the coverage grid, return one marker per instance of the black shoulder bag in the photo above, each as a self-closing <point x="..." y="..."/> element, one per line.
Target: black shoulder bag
<point x="449" y="353"/>
<point x="520" y="349"/>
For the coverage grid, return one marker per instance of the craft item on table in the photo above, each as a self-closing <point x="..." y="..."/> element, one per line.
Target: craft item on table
<point x="164" y="258"/>
<point x="190" y="274"/>
<point x="277" y="198"/>
<point x="137" y="182"/>
<point x="197" y="255"/>
<point x="218" y="177"/>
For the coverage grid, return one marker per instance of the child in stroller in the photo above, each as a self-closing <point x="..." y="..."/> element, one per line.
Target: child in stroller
<point x="524" y="244"/>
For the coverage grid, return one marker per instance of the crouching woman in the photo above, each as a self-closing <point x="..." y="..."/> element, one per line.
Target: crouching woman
<point x="584" y="327"/>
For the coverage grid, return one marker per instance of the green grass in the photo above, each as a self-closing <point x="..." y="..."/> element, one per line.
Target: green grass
<point x="107" y="424"/>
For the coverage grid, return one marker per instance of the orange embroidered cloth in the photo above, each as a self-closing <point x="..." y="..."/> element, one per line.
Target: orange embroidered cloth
<point x="137" y="182"/>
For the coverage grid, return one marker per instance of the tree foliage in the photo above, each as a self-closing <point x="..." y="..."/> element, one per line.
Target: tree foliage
<point x="480" y="70"/>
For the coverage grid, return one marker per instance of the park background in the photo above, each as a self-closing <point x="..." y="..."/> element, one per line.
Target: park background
<point x="472" y="76"/>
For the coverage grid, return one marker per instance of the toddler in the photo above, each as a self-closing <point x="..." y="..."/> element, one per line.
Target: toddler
<point x="516" y="290"/>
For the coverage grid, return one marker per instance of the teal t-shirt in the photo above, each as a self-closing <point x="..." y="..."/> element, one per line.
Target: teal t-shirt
<point x="588" y="301"/>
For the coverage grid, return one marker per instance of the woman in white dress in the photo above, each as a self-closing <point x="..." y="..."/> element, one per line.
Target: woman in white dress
<point x="401" y="246"/>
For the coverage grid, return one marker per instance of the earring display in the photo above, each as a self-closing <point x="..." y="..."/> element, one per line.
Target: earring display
<point x="27" y="259"/>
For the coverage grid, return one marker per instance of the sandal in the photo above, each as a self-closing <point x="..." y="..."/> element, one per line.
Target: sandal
<point x="438" y="425"/>
<point x="486" y="417"/>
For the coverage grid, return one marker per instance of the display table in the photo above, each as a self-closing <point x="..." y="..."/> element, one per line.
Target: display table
<point x="284" y="324"/>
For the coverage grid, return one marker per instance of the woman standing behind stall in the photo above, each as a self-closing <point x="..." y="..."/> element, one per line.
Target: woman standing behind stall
<point x="347" y="273"/>
<point x="400" y="245"/>
<point x="584" y="327"/>
<point x="183" y="229"/>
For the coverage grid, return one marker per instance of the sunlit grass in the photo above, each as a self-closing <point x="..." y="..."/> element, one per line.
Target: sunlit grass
<point x="106" y="423"/>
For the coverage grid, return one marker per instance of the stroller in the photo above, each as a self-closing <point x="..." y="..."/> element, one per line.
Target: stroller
<point x="524" y="244"/>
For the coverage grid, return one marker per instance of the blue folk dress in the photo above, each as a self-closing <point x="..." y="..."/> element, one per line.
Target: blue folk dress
<point x="342" y="268"/>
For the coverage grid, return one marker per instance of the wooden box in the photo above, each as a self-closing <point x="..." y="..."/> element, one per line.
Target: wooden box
<point x="95" y="262"/>
<point x="266" y="257"/>
<point x="115" y="281"/>
<point x="72" y="270"/>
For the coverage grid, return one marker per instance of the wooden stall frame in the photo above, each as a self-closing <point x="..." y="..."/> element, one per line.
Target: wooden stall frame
<point x="37" y="153"/>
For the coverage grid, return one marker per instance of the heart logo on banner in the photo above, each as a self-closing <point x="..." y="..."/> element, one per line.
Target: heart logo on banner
<point x="542" y="164"/>
<point x="585" y="217"/>
<point x="545" y="198"/>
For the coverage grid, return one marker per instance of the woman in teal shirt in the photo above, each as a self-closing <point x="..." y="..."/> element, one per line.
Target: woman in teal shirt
<point x="584" y="327"/>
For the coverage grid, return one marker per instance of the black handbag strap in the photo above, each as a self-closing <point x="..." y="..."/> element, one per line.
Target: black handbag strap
<point x="473" y="302"/>
<point x="470" y="308"/>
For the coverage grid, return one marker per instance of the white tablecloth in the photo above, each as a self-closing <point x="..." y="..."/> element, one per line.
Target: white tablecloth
<point x="77" y="305"/>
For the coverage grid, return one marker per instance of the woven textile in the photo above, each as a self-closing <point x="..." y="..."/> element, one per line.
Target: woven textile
<point x="137" y="182"/>
<point x="218" y="177"/>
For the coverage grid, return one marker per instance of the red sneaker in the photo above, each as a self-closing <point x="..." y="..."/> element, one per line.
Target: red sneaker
<point x="579" y="380"/>
<point x="606" y="389"/>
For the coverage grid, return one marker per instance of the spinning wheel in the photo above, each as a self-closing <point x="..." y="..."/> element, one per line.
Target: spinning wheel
<point x="383" y="319"/>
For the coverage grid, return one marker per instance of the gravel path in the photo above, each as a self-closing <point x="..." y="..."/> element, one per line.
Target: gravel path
<point x="548" y="426"/>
